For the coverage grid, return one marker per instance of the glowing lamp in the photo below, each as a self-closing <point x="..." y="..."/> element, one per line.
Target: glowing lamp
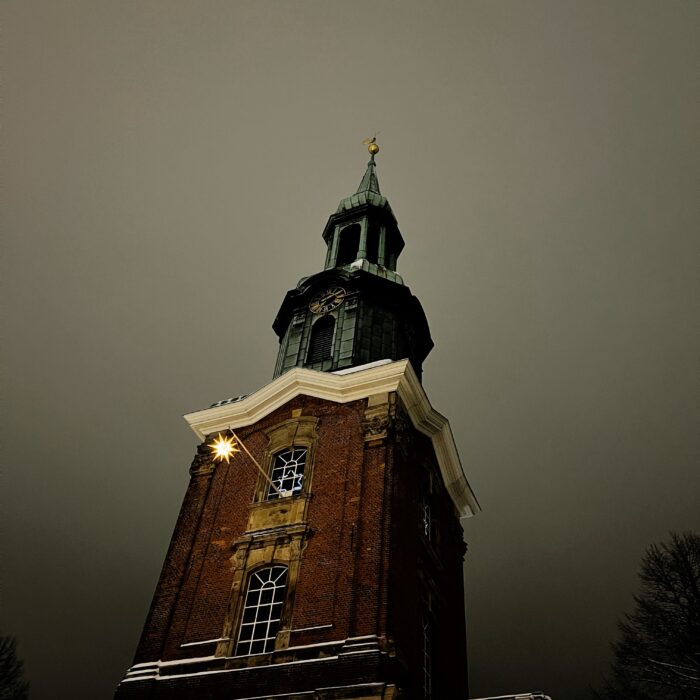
<point x="223" y="447"/>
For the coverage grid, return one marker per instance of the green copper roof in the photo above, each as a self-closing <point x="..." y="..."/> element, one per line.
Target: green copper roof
<point x="369" y="181"/>
<point x="367" y="193"/>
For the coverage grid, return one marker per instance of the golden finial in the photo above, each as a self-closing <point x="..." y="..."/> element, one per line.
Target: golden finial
<point x="371" y="144"/>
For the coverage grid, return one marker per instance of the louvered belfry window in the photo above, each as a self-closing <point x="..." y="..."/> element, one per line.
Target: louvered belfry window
<point x="321" y="340"/>
<point x="262" y="611"/>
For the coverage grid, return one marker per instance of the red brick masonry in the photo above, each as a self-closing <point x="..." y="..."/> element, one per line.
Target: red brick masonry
<point x="367" y="573"/>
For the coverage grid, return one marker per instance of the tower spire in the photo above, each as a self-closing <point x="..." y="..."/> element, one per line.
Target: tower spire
<point x="357" y="310"/>
<point x="368" y="191"/>
<point x="369" y="182"/>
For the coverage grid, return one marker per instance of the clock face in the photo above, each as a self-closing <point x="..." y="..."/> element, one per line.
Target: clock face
<point x="327" y="300"/>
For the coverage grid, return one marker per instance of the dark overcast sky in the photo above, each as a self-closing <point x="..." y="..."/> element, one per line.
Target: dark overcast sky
<point x="168" y="169"/>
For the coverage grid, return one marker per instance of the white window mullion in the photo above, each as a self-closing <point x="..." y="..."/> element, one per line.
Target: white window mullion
<point x="258" y="635"/>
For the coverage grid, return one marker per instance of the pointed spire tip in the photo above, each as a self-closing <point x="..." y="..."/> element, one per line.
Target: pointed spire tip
<point x="369" y="182"/>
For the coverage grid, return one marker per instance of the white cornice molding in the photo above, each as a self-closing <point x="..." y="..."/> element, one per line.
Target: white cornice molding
<point x="342" y="388"/>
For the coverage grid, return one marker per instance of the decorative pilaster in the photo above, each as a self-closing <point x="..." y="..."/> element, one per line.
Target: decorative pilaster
<point x="384" y="414"/>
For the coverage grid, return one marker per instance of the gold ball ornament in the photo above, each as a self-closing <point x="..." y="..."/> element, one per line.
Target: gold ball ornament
<point x="373" y="148"/>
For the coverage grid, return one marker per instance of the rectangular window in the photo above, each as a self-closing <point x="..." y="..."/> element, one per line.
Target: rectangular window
<point x="321" y="343"/>
<point x="427" y="658"/>
<point x="426" y="517"/>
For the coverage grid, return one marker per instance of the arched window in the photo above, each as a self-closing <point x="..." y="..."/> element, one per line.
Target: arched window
<point x="262" y="611"/>
<point x="349" y="245"/>
<point x="321" y="340"/>
<point x="287" y="473"/>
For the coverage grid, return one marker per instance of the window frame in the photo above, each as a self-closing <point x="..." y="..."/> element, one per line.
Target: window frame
<point x="250" y="555"/>
<point x="328" y="324"/>
<point x="426" y="508"/>
<point x="293" y="433"/>
<point x="353" y="229"/>
<point x="429" y="639"/>
<point x="270" y="493"/>
<point x="427" y="653"/>
<point x="426" y="516"/>
<point x="279" y="598"/>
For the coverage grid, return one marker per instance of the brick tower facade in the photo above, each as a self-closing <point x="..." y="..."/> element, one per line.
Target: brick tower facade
<point x="324" y="558"/>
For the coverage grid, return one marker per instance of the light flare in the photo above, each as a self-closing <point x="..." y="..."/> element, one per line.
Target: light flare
<point x="223" y="447"/>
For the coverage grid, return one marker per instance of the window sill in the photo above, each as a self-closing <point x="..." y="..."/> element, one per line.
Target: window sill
<point x="279" y="512"/>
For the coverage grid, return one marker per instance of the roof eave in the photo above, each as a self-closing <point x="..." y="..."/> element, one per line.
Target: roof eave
<point x="359" y="384"/>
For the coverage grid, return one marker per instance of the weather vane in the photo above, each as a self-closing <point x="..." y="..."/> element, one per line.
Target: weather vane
<point x="371" y="144"/>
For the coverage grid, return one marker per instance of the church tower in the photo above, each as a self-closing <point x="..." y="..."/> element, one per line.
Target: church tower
<point x="318" y="551"/>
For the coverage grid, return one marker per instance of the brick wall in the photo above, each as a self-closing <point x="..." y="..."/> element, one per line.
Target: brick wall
<point x="364" y="571"/>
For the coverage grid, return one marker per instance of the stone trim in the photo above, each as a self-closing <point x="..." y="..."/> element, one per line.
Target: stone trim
<point x="217" y="666"/>
<point x="250" y="553"/>
<point x="384" y="414"/>
<point x="342" y="388"/>
<point x="299" y="431"/>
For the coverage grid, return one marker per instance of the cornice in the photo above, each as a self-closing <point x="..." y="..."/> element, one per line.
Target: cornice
<point x="342" y="388"/>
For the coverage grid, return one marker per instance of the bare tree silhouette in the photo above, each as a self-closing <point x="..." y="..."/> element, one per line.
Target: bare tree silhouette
<point x="658" y="654"/>
<point x="12" y="683"/>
